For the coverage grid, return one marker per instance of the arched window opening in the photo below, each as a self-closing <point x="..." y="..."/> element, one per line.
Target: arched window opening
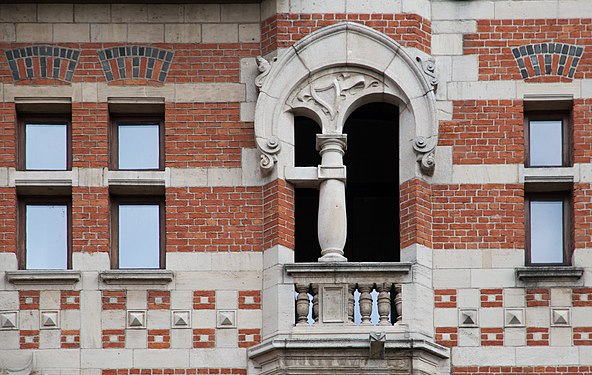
<point x="306" y="199"/>
<point x="372" y="188"/>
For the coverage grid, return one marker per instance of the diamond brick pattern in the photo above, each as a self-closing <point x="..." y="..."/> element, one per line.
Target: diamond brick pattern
<point x="248" y="337"/>
<point x="249" y="299"/>
<point x="204" y="300"/>
<point x="492" y="336"/>
<point x="42" y="62"/>
<point x="139" y="63"/>
<point x="540" y="59"/>
<point x="204" y="338"/>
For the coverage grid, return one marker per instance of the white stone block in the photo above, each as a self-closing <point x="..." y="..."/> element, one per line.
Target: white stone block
<point x="55" y="13"/>
<point x="145" y="32"/>
<point x="560" y="336"/>
<point x="227" y="338"/>
<point x="181" y="299"/>
<point x="465" y="68"/>
<point x="97" y="358"/>
<point x="454" y="27"/>
<point x="209" y="92"/>
<point x="181" y="338"/>
<point x="240" y="12"/>
<point x="161" y="13"/>
<point x="203" y="318"/>
<point x="469" y="337"/>
<point x="112" y="319"/>
<point x="420" y="7"/>
<point x="224" y="177"/>
<point x="18" y="12"/>
<point x="218" y="280"/>
<point x="9" y="300"/>
<point x="90" y="330"/>
<point x="92" y="13"/>
<point x="219" y="357"/>
<point x="447" y="44"/>
<point x="496" y="278"/>
<point x="220" y="33"/>
<point x="482" y="90"/>
<point x="538" y="317"/>
<point x="49" y="339"/>
<point x="569" y="88"/>
<point x="151" y="358"/>
<point x="452" y="278"/>
<point x="182" y="33"/>
<point x="468" y="298"/>
<point x="136" y="299"/>
<point x="247" y="112"/>
<point x="459" y="10"/>
<point x="96" y="261"/>
<point x="29" y="319"/>
<point x="249" y="33"/>
<point x="507" y="258"/>
<point x="63" y="358"/>
<point x="110" y="32"/>
<point x="7" y="32"/>
<point x="136" y="338"/>
<point x="483" y="174"/>
<point x="514" y="297"/>
<point x="464" y="259"/>
<point x="227" y="299"/>
<point x="9" y="340"/>
<point x="189" y="261"/>
<point x="484" y="356"/>
<point x="561" y="297"/>
<point x="158" y="319"/>
<point x="515" y="337"/>
<point x="187" y="177"/>
<point x="244" y="261"/>
<point x="585" y="353"/>
<point x="90" y="280"/>
<point x="574" y="8"/>
<point x="317" y="6"/>
<point x="492" y="317"/>
<point x="581" y="317"/>
<point x="34" y="32"/>
<point x="525" y="9"/>
<point x="129" y="13"/>
<point x="70" y="319"/>
<point x="546" y="356"/>
<point x="71" y="32"/>
<point x="373" y="6"/>
<point x="445" y="317"/>
<point x="202" y="13"/>
<point x="249" y="318"/>
<point x="277" y="255"/>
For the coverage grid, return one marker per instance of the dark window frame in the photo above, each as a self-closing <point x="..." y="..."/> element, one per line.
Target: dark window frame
<point x="118" y="200"/>
<point x="42" y="119"/>
<point x="23" y="202"/>
<point x="566" y="197"/>
<point x="115" y="121"/>
<point x="566" y="135"/>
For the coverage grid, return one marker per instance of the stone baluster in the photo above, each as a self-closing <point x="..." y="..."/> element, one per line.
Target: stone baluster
<point x="332" y="219"/>
<point x="315" y="302"/>
<point x="302" y="304"/>
<point x="384" y="303"/>
<point x="350" y="302"/>
<point x="365" y="303"/>
<point x="398" y="303"/>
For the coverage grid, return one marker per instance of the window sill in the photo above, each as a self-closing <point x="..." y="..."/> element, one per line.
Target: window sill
<point x="548" y="273"/>
<point x="152" y="277"/>
<point x="28" y="277"/>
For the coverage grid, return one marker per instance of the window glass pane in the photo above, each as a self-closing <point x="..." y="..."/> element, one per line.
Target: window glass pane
<point x="546" y="143"/>
<point x="138" y="146"/>
<point x="139" y="236"/>
<point x="546" y="231"/>
<point x="47" y="236"/>
<point x="45" y="146"/>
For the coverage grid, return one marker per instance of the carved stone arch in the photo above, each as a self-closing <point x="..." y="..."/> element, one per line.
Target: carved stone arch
<point x="333" y="71"/>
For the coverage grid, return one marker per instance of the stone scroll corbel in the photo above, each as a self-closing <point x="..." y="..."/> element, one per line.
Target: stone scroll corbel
<point x="264" y="67"/>
<point x="269" y="148"/>
<point x="428" y="66"/>
<point x="425" y="147"/>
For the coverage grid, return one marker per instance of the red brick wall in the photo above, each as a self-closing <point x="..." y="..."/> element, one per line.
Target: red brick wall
<point x="495" y="38"/>
<point x="205" y="135"/>
<point x="7" y="220"/>
<point x="278" y="221"/>
<point x="530" y="370"/>
<point x="214" y="219"/>
<point x="472" y="216"/>
<point x="582" y="205"/>
<point x="90" y="219"/>
<point x="177" y="371"/>
<point x="90" y="142"/>
<point x="485" y="132"/>
<point x="283" y="30"/>
<point x="7" y="135"/>
<point x="415" y="213"/>
<point x="582" y="133"/>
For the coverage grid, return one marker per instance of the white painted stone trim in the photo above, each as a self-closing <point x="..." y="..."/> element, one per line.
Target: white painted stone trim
<point x="43" y="277"/>
<point x="141" y="277"/>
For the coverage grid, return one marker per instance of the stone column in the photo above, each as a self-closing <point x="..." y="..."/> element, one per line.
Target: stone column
<point x="332" y="225"/>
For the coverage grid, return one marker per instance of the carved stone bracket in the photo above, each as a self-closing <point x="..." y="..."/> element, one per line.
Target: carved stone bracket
<point x="26" y="369"/>
<point x="264" y="67"/>
<point x="428" y="66"/>
<point x="426" y="148"/>
<point x="269" y="149"/>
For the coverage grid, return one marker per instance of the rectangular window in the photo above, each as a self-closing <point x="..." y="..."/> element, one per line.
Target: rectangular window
<point x="548" y="218"/>
<point x="44" y="233"/>
<point x="137" y="143"/>
<point x="44" y="143"/>
<point x="138" y="232"/>
<point x="548" y="139"/>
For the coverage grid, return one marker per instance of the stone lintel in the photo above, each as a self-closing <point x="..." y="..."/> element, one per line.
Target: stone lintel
<point x="43" y="277"/>
<point x="148" y="277"/>
<point x="549" y="273"/>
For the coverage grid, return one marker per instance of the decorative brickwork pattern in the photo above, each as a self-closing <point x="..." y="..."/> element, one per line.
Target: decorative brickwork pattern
<point x="478" y="216"/>
<point x="159" y="300"/>
<point x="8" y="219"/>
<point x="537" y="336"/>
<point x="249" y="299"/>
<point x="415" y="213"/>
<point x="447" y="336"/>
<point x="537" y="297"/>
<point x="218" y="219"/>
<point x="204" y="338"/>
<point x="582" y="336"/>
<point x="29" y="339"/>
<point x="216" y="142"/>
<point x="445" y="298"/>
<point x="7" y="135"/>
<point x="70" y="339"/>
<point x="278" y="215"/>
<point x="90" y="219"/>
<point x="43" y="63"/>
<point x="29" y="299"/>
<point x="131" y="63"/>
<point x="113" y="338"/>
<point x="204" y="300"/>
<point x="492" y="298"/>
<point x="502" y="44"/>
<point x="582" y="297"/>
<point x="159" y="339"/>
<point x="70" y="300"/>
<point x="113" y="299"/>
<point x="90" y="135"/>
<point x="248" y="337"/>
<point x="492" y="336"/>
<point x="530" y="370"/>
<point x="485" y="132"/>
<point x="283" y="30"/>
